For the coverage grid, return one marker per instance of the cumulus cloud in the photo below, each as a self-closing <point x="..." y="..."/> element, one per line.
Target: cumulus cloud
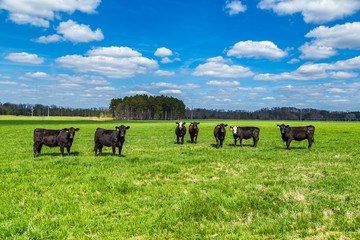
<point x="223" y="83"/>
<point x="49" y="39"/>
<point x="315" y="11"/>
<point x="36" y="75"/>
<point x="131" y="93"/>
<point x="122" y="63"/>
<point x="220" y="68"/>
<point x="163" y="73"/>
<point x="40" y="12"/>
<point x="163" y="52"/>
<point x="74" y="32"/>
<point x="315" y="51"/>
<point x="171" y="91"/>
<point x="24" y="57"/>
<point x="254" y="49"/>
<point x="312" y="71"/>
<point x="234" y="7"/>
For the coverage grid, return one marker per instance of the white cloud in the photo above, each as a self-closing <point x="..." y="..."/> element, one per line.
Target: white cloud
<point x="314" y="11"/>
<point x="314" y="51"/>
<point x="171" y="91"/>
<point x="36" y="75"/>
<point x="163" y="73"/>
<point x="24" y="57"/>
<point x="234" y="7"/>
<point x="218" y="67"/>
<point x="113" y="51"/>
<point x="75" y="32"/>
<point x="293" y="61"/>
<point x="6" y="82"/>
<point x="40" y="12"/>
<point x="130" y="93"/>
<point x="223" y="83"/>
<point x="342" y="36"/>
<point x="114" y="66"/>
<point x="312" y="71"/>
<point x="163" y="52"/>
<point x="49" y="39"/>
<point x="253" y="49"/>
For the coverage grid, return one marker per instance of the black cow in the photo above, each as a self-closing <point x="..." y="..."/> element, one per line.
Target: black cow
<point x="245" y="133"/>
<point x="180" y="132"/>
<point x="110" y="138"/>
<point x="194" y="131"/>
<point x="219" y="134"/>
<point x="54" y="138"/>
<point x="297" y="133"/>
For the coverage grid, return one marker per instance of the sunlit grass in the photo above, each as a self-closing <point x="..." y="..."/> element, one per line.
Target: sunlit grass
<point x="164" y="190"/>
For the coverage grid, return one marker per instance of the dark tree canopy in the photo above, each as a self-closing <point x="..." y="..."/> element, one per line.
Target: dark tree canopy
<point x="144" y="107"/>
<point x="278" y="113"/>
<point x="42" y="110"/>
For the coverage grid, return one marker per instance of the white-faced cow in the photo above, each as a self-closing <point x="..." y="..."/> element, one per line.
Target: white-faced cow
<point x="297" y="133"/>
<point x="194" y="131"/>
<point x="54" y="138"/>
<point x="180" y="132"/>
<point x="219" y="134"/>
<point x="110" y="138"/>
<point x="245" y="133"/>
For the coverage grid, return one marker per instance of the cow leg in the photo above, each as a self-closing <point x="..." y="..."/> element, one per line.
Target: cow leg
<point x="120" y="149"/>
<point x="62" y="150"/>
<point x="96" y="149"/>
<point x="68" y="150"/>
<point x="288" y="144"/>
<point x="235" y="141"/>
<point x="113" y="149"/>
<point x="196" y="139"/>
<point x="100" y="149"/>
<point x="241" y="142"/>
<point x="255" y="141"/>
<point x="221" y="143"/>
<point x="217" y="143"/>
<point x="310" y="142"/>
<point x="37" y="149"/>
<point x="192" y="139"/>
<point x="177" y="139"/>
<point x="182" y="140"/>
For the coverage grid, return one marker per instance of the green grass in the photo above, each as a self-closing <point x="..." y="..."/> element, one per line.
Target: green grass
<point x="161" y="190"/>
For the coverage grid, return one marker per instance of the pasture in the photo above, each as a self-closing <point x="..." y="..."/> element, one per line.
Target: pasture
<point x="161" y="190"/>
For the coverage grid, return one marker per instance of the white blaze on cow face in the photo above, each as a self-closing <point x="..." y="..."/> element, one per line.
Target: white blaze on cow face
<point x="181" y="125"/>
<point x="234" y="128"/>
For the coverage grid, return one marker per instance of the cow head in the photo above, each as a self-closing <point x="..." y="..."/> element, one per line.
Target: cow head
<point x="222" y="127"/>
<point x="283" y="128"/>
<point x="71" y="132"/>
<point x="234" y="129"/>
<point x="195" y="125"/>
<point x="122" y="130"/>
<point x="181" y="125"/>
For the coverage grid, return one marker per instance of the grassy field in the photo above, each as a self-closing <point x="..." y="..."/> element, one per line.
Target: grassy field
<point x="161" y="190"/>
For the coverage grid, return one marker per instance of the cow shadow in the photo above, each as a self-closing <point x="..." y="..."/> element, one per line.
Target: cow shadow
<point x="55" y="154"/>
<point x="109" y="154"/>
<point x="291" y="148"/>
<point x="244" y="145"/>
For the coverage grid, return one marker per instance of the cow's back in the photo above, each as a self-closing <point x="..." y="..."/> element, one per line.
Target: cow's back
<point x="104" y="136"/>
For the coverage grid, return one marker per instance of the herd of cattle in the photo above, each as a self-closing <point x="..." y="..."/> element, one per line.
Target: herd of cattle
<point x="115" y="138"/>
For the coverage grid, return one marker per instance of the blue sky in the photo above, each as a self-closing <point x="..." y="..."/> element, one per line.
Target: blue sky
<point x="215" y="54"/>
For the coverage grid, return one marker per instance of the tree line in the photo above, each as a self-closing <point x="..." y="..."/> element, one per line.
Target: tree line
<point x="144" y="107"/>
<point x="44" y="110"/>
<point x="277" y="113"/>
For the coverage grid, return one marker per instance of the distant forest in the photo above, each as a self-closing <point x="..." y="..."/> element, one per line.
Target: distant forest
<point x="144" y="107"/>
<point x="278" y="113"/>
<point x="42" y="110"/>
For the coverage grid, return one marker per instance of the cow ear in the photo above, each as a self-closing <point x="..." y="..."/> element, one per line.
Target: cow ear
<point x="218" y="125"/>
<point x="117" y="127"/>
<point x="65" y="129"/>
<point x="77" y="129"/>
<point x="177" y="122"/>
<point x="225" y="125"/>
<point x="198" y="123"/>
<point x="287" y="125"/>
<point x="184" y="122"/>
<point x="231" y="126"/>
<point x="127" y="127"/>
